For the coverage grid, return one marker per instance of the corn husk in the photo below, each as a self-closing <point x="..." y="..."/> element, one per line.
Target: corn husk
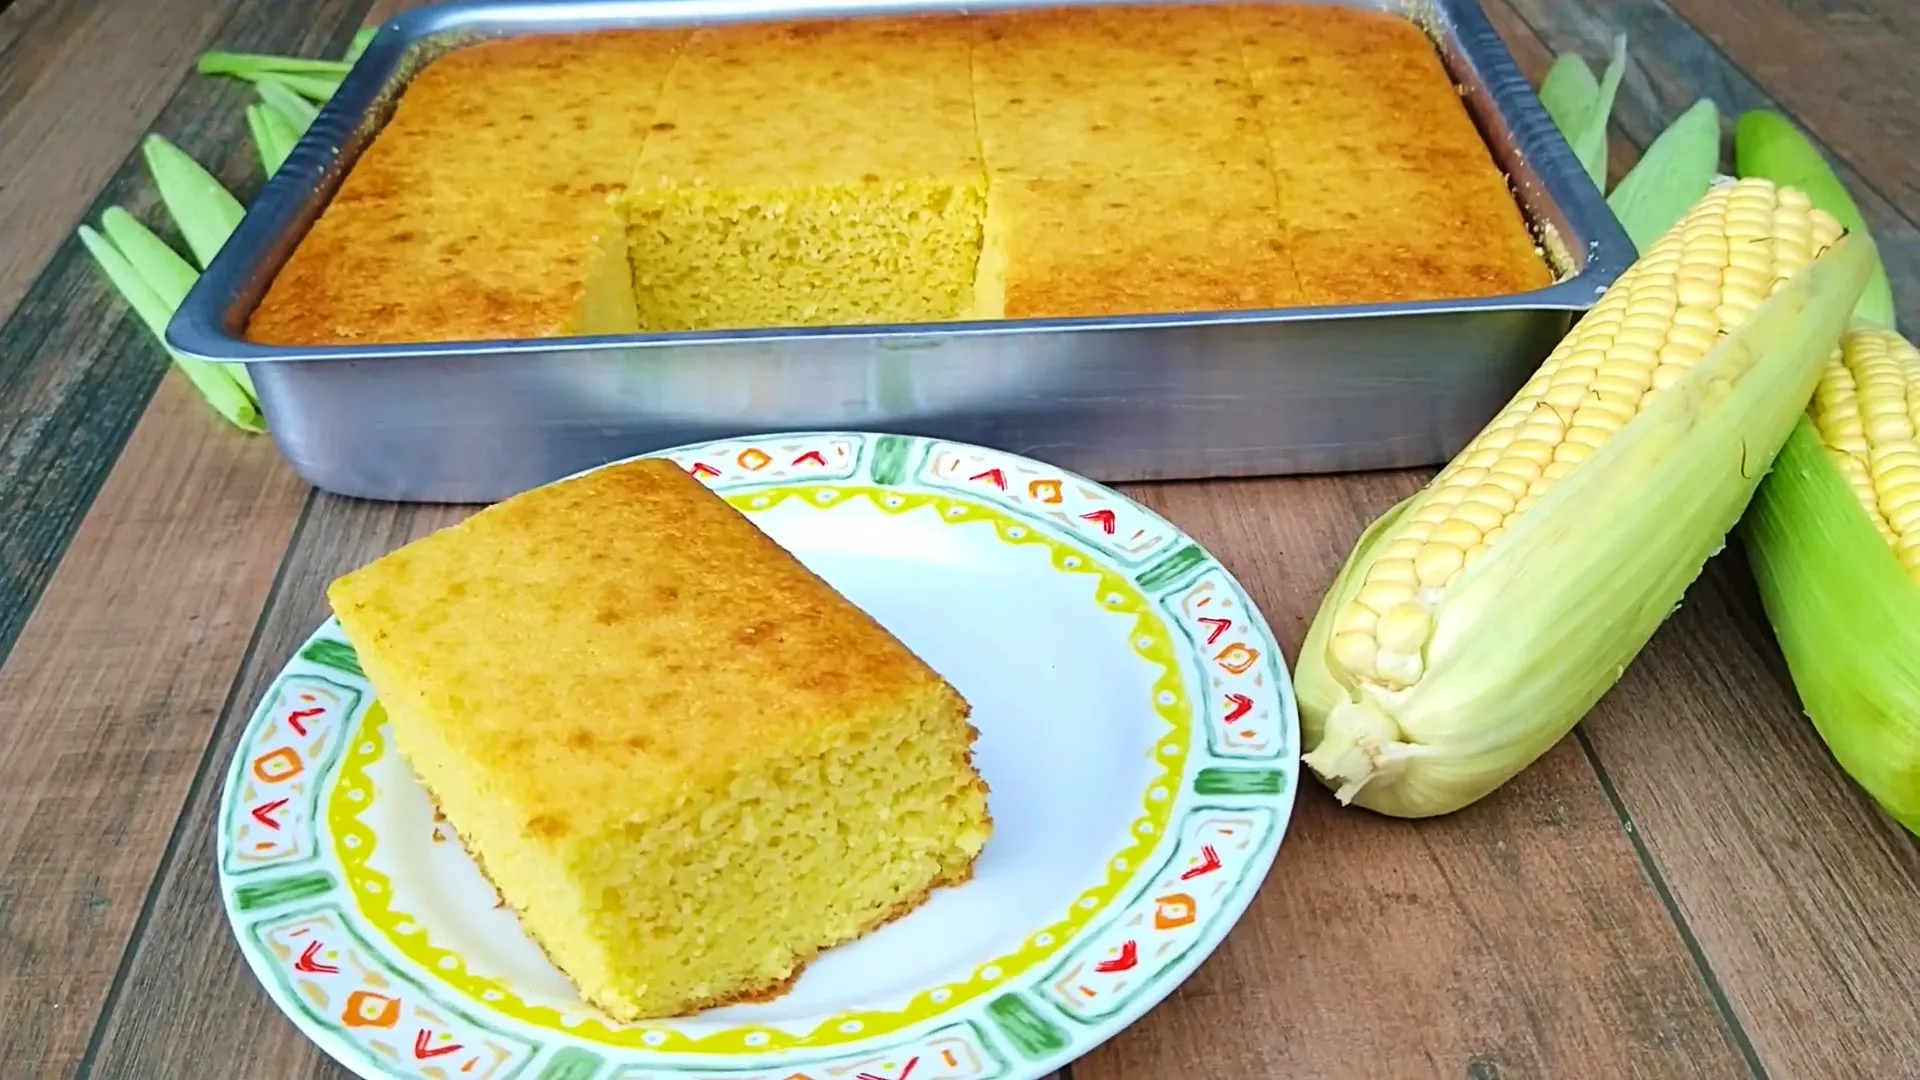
<point x="1530" y="637"/>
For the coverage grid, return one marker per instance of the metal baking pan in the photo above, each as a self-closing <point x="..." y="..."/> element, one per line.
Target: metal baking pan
<point x="1299" y="390"/>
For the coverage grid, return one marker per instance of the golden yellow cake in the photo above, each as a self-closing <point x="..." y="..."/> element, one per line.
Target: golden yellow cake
<point x="685" y="760"/>
<point x="866" y="208"/>
<point x="1076" y="161"/>
<point x="1126" y="244"/>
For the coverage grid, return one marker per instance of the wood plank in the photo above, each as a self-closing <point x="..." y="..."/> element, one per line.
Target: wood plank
<point x="1805" y="901"/>
<point x="1516" y="938"/>
<point x="1414" y="913"/>
<point x="66" y="126"/>
<point x="76" y="368"/>
<point x="1845" y="68"/>
<point x="115" y="683"/>
<point x="243" y="1023"/>
<point x="1671" y="66"/>
<point x="188" y="1007"/>
<point x="110" y="695"/>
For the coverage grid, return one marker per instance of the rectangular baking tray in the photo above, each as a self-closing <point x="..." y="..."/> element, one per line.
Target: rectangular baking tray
<point x="1299" y="390"/>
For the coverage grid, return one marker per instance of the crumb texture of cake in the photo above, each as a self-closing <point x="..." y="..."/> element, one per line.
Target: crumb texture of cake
<point x="853" y="193"/>
<point x="686" y="762"/>
<point x="1092" y="160"/>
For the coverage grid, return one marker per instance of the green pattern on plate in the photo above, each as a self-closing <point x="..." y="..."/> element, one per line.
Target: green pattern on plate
<point x="373" y="931"/>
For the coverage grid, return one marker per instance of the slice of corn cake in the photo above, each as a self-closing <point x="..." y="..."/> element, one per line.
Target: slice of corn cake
<point x="1337" y="107"/>
<point x="809" y="173"/>
<point x="1100" y="91"/>
<point x="484" y="208"/>
<point x="686" y="761"/>
<point x="1387" y="190"/>
<point x="453" y="268"/>
<point x="1391" y="234"/>
<point x="1131" y="244"/>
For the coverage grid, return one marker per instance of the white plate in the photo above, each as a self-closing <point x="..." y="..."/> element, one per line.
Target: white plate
<point x="1137" y="728"/>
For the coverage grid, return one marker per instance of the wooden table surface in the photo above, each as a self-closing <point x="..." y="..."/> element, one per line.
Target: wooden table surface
<point x="1685" y="887"/>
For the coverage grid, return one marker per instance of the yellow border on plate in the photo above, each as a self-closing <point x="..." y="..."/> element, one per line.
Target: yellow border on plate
<point x="354" y="842"/>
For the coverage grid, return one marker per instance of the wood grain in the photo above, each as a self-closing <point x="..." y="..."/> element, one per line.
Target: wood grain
<point x="1804" y="900"/>
<point x="1672" y="65"/>
<point x="65" y="124"/>
<point x="1517" y="938"/>
<point x="1845" y="69"/>
<point x="188" y="1006"/>
<point x="110" y="695"/>
<point x="75" y="366"/>
<point x="113" y="686"/>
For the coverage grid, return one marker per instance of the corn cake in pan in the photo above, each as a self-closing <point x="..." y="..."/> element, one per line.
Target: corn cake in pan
<point x="685" y="761"/>
<point x="911" y="169"/>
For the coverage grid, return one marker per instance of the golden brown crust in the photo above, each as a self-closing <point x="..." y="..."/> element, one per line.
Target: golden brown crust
<point x="840" y="84"/>
<point x="647" y="685"/>
<point x="1092" y="92"/>
<point x="1126" y="245"/>
<point x="480" y="211"/>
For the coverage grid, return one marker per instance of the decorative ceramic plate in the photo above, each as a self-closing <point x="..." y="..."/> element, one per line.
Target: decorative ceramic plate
<point x="1137" y="729"/>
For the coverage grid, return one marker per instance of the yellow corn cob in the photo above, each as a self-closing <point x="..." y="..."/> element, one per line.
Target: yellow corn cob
<point x="1834" y="539"/>
<point x="1480" y="619"/>
<point x="1866" y="408"/>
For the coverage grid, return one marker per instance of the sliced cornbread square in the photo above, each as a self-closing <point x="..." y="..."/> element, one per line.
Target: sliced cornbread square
<point x="481" y="210"/>
<point x="1098" y="91"/>
<point x="1341" y="89"/>
<point x="847" y="190"/>
<point x="546" y="114"/>
<point x="411" y="268"/>
<point x="1135" y="244"/>
<point x="1406" y="234"/>
<point x="1318" y="29"/>
<point x="686" y="761"/>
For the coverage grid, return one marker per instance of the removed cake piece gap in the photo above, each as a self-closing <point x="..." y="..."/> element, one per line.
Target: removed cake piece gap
<point x="867" y="207"/>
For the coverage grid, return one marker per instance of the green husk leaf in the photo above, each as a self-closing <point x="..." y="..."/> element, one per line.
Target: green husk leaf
<point x="204" y="211"/>
<point x="245" y="65"/>
<point x="1581" y="106"/>
<point x="1507" y="671"/>
<point x="315" y="88"/>
<point x="216" y="382"/>
<point x="1847" y="618"/>
<point x="164" y="271"/>
<point x="360" y="42"/>
<point x="279" y="97"/>
<point x="273" y="135"/>
<point x="1568" y="92"/>
<point x="1590" y="146"/>
<point x="1768" y="145"/>
<point x="1677" y="169"/>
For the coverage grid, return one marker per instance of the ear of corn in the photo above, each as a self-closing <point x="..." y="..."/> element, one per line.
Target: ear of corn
<point x="1834" y="539"/>
<point x="1477" y="623"/>
<point x="1767" y="145"/>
